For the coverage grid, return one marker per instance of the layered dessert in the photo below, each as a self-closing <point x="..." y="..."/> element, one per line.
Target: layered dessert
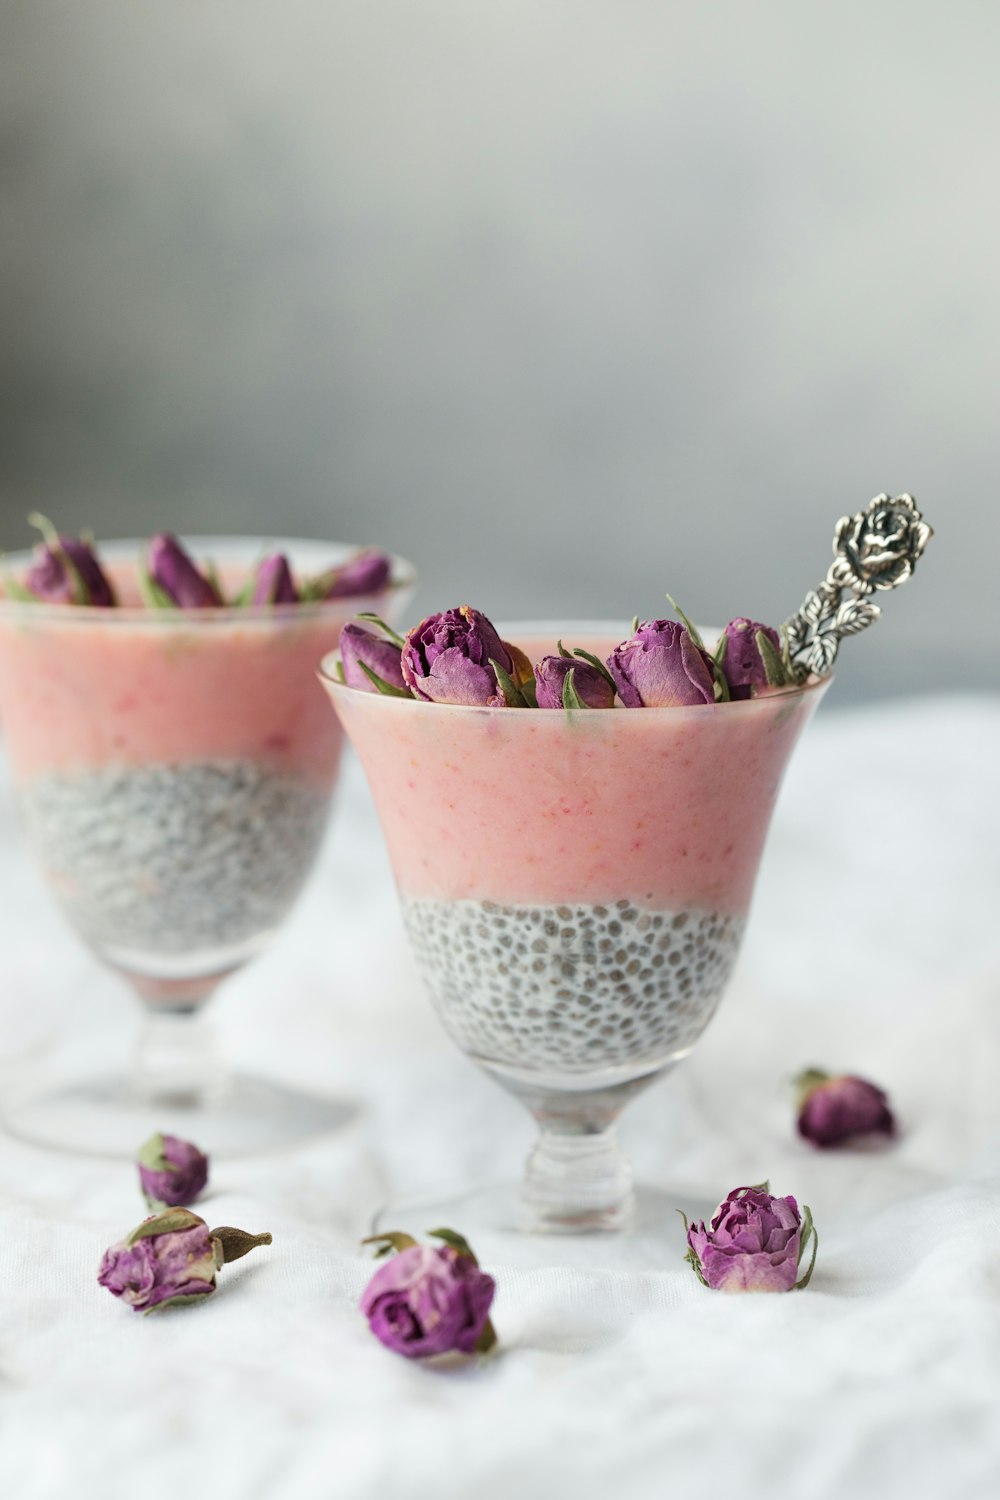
<point x="174" y="765"/>
<point x="574" y="884"/>
<point x="575" y="820"/>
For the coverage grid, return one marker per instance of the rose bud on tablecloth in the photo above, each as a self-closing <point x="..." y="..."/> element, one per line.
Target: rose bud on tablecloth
<point x="450" y="657"/>
<point x="171" y="1171"/>
<point x="746" y="659"/>
<point x="171" y="579"/>
<point x="172" y="1258"/>
<point x="372" y="663"/>
<point x="429" y="1299"/>
<point x="273" y="581"/>
<point x="659" y="666"/>
<point x="754" y="1244"/>
<point x="591" y="686"/>
<point x="833" y="1110"/>
<point x="66" y="571"/>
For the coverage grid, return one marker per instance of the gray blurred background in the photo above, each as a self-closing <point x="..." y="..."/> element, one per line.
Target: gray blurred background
<point x="571" y="302"/>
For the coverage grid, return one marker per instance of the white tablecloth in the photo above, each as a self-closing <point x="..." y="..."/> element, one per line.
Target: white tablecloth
<point x="874" y="947"/>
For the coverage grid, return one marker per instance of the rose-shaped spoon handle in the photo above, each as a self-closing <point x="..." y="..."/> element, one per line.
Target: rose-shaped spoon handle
<point x="873" y="551"/>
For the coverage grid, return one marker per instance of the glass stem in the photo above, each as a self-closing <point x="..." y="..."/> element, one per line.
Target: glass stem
<point x="177" y="1062"/>
<point x="578" y="1178"/>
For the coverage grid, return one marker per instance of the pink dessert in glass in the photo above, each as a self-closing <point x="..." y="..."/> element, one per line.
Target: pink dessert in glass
<point x="575" y="887"/>
<point x="576" y="833"/>
<point x="173" y="768"/>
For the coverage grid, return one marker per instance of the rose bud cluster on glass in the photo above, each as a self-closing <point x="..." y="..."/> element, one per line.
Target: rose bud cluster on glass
<point x="67" y="570"/>
<point x="660" y="666"/>
<point x="458" y="657"/>
<point x="836" y="1110"/>
<point x="429" y="1299"/>
<point x="172" y="1258"/>
<point x="746" y="660"/>
<point x="171" y="1171"/>
<point x="755" y="1243"/>
<point x="571" y="681"/>
<point x="373" y="663"/>
<point x="368" y="573"/>
<point x="170" y="578"/>
<point x="273" y="582"/>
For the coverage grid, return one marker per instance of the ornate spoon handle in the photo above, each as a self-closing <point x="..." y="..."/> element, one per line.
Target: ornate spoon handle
<point x="873" y="552"/>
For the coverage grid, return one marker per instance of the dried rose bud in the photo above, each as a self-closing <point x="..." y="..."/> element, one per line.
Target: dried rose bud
<point x="66" y="571"/>
<point x="834" y="1110"/>
<point x="430" y="1299"/>
<point x="455" y="657"/>
<point x="659" y="666"/>
<point x="171" y="1171"/>
<point x="368" y="573"/>
<point x="170" y="1258"/>
<point x="590" y="686"/>
<point x="521" y="687"/>
<point x="746" y="660"/>
<point x="372" y="663"/>
<point x="755" y="1243"/>
<point x="273" y="581"/>
<point x="171" y="579"/>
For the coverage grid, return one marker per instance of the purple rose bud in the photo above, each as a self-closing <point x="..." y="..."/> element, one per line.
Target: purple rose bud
<point x="66" y="571"/>
<point x="591" y="686"/>
<point x="175" y="578"/>
<point x="446" y="659"/>
<point x="661" y="667"/>
<point x="274" y="583"/>
<point x="430" y="1300"/>
<point x="754" y="1244"/>
<point x="368" y="573"/>
<point x="362" y="648"/>
<point x="50" y="580"/>
<point x="171" y="1257"/>
<point x="834" y="1110"/>
<point x="171" y="1171"/>
<point x="742" y="662"/>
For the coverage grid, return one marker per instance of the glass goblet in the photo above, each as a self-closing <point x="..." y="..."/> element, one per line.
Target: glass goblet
<point x="575" y="886"/>
<point x="173" y="771"/>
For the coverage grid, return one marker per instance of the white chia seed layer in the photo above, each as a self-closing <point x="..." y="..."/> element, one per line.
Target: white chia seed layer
<point x="174" y="858"/>
<point x="572" y="988"/>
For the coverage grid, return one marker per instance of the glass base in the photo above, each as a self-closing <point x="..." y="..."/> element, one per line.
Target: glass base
<point x="503" y="1231"/>
<point x="106" y="1117"/>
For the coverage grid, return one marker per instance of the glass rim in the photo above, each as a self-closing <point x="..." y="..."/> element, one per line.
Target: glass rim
<point x="403" y="576"/>
<point x="510" y="632"/>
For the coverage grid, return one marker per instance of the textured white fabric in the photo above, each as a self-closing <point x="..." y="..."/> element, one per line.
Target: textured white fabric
<point x="874" y="946"/>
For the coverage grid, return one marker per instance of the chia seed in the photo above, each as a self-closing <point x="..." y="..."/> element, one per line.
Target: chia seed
<point x="175" y="858"/>
<point x="644" y="1014"/>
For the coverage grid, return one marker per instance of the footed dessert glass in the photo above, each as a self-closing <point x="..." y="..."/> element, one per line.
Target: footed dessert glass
<point x="173" y="771"/>
<point x="575" y="885"/>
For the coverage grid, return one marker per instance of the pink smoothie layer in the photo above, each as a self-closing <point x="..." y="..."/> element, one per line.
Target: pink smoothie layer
<point x="667" y="807"/>
<point x="85" y="688"/>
